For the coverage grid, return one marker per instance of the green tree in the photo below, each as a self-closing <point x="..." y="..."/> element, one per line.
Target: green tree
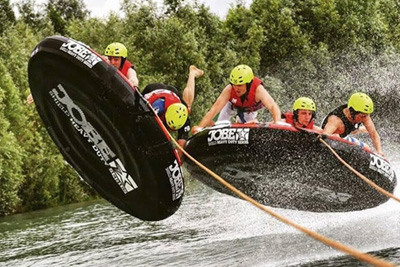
<point x="7" y="16"/>
<point x="360" y="24"/>
<point x="10" y="149"/>
<point x="36" y="20"/>
<point x="94" y="32"/>
<point x="172" y="5"/>
<point x="61" y="12"/>
<point x="245" y="36"/>
<point x="320" y="19"/>
<point x="283" y="38"/>
<point x="390" y="15"/>
<point x="45" y="177"/>
<point x="15" y="51"/>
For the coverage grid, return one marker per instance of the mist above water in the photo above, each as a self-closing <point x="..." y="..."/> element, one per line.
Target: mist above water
<point x="330" y="80"/>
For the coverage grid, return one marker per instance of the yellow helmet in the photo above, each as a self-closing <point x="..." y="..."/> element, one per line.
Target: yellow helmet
<point x="304" y="103"/>
<point x="176" y="116"/>
<point x="116" y="50"/>
<point x="361" y="102"/>
<point x="241" y="74"/>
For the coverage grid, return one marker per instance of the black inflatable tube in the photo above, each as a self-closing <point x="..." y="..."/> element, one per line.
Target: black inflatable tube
<point x="281" y="167"/>
<point x="104" y="129"/>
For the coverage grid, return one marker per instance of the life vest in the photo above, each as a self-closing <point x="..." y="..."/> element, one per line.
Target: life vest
<point x="127" y="65"/>
<point x="249" y="104"/>
<point x="289" y="117"/>
<point x="168" y="96"/>
<point x="348" y="126"/>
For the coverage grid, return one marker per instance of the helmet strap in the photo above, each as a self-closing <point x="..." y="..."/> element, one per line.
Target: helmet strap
<point x="123" y="59"/>
<point x="244" y="96"/>
<point x="296" y="118"/>
<point x="248" y="85"/>
<point x="353" y="113"/>
<point x="296" y="115"/>
<point x="312" y="117"/>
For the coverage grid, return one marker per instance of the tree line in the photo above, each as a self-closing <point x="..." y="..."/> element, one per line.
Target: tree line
<point x="323" y="49"/>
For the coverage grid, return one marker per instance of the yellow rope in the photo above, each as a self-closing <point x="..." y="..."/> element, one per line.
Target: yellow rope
<point x="368" y="181"/>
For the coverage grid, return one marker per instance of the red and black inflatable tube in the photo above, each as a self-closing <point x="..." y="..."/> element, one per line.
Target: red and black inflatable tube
<point x="105" y="129"/>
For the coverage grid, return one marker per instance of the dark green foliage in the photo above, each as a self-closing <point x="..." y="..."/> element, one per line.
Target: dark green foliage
<point x="172" y="5"/>
<point x="283" y="37"/>
<point x="32" y="15"/>
<point x="7" y="16"/>
<point x="10" y="149"/>
<point x="61" y="12"/>
<point x="323" y="49"/>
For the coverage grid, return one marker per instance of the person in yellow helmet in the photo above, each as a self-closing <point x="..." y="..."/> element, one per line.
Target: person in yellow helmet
<point x="116" y="54"/>
<point x="352" y="118"/>
<point x="243" y="97"/>
<point x="302" y="114"/>
<point x="172" y="107"/>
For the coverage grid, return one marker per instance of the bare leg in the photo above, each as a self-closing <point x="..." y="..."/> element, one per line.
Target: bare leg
<point x="188" y="92"/>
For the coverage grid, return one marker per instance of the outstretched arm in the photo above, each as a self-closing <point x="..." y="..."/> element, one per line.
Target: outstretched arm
<point x="263" y="96"/>
<point x="132" y="77"/>
<point x="332" y="125"/>
<point x="317" y="128"/>
<point x="376" y="139"/>
<point x="218" y="105"/>
<point x="360" y="130"/>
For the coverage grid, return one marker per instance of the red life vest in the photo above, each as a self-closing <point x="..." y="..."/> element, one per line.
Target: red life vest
<point x="127" y="65"/>
<point x="168" y="96"/>
<point x="289" y="116"/>
<point x="249" y="104"/>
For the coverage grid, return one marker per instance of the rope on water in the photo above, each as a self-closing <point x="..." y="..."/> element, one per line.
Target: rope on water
<point x="327" y="241"/>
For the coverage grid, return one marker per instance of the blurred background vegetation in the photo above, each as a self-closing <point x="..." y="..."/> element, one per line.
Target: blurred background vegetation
<point x="323" y="49"/>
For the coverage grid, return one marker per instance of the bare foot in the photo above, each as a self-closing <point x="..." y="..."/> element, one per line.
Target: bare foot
<point x="29" y="99"/>
<point x="197" y="72"/>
